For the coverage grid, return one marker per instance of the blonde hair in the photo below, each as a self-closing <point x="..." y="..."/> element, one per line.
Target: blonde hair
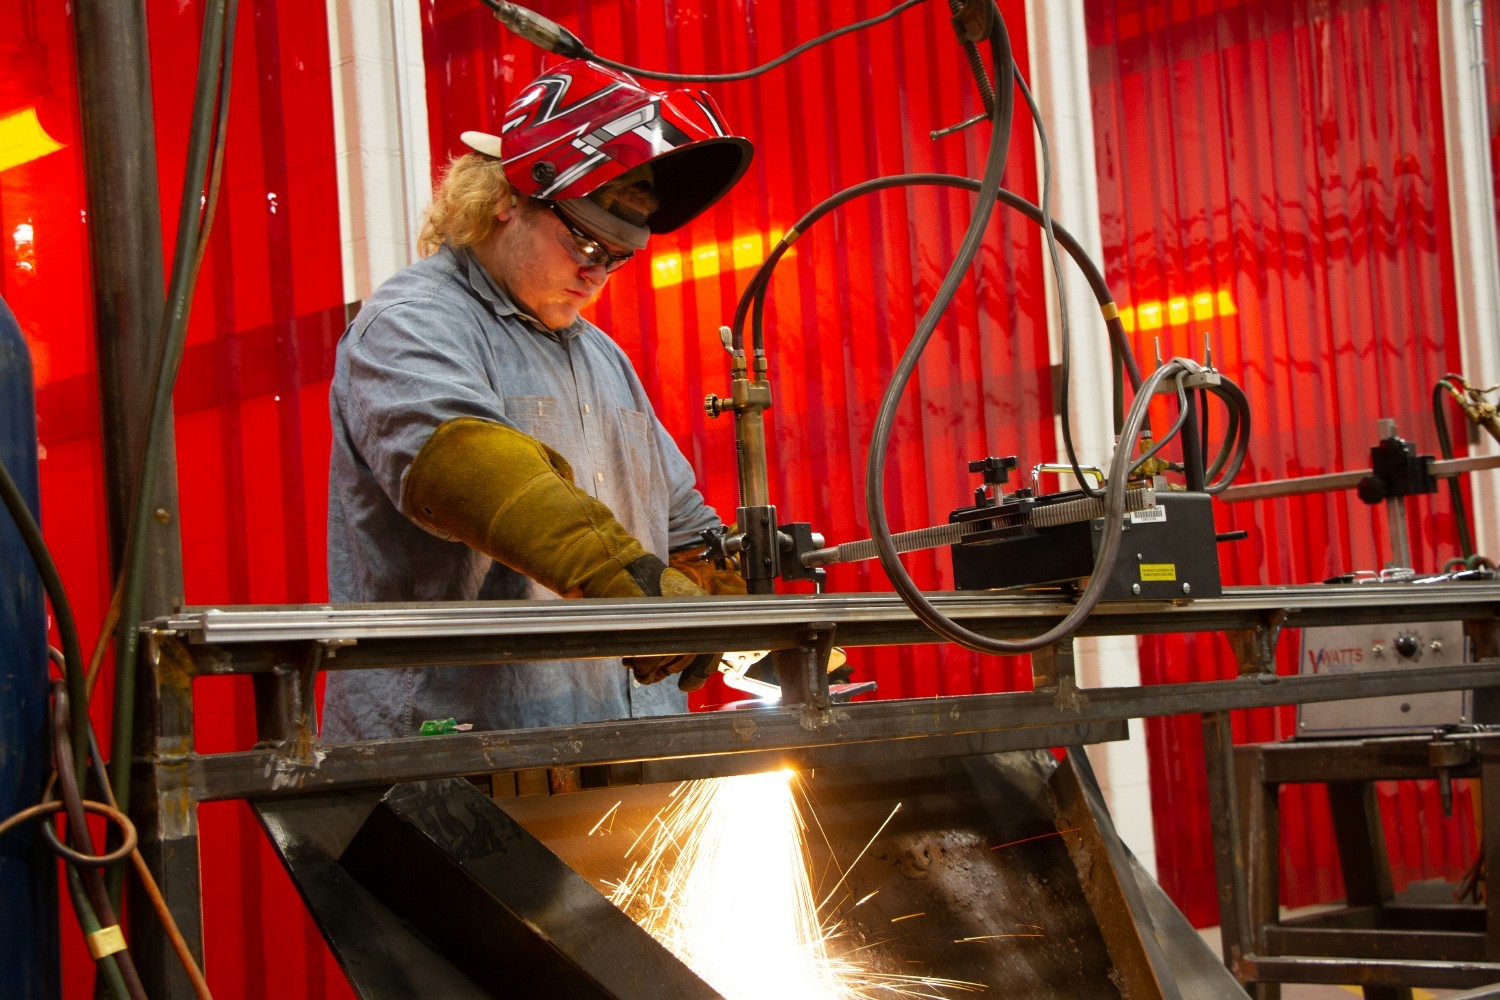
<point x="463" y="206"/>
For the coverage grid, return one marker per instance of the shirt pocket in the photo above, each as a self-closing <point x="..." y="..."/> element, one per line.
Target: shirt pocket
<point x="538" y="416"/>
<point x="641" y="501"/>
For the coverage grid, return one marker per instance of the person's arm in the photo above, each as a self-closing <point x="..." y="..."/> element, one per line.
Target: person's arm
<point x="514" y="499"/>
<point x="426" y="418"/>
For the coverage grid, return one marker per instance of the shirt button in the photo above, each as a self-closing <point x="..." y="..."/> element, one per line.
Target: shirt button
<point x="598" y="477"/>
<point x="586" y="409"/>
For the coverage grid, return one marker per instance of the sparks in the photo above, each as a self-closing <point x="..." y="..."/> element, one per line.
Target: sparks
<point x="1040" y="836"/>
<point x="612" y="810"/>
<point x="723" y="883"/>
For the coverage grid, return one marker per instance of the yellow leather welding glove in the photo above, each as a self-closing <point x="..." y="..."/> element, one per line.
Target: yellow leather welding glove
<point x="706" y="574"/>
<point x="692" y="564"/>
<point x="513" y="498"/>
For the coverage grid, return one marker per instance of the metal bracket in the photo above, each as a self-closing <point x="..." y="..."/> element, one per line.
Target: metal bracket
<point x="1205" y="378"/>
<point x="803" y="671"/>
<point x="1053" y="669"/>
<point x="760" y="557"/>
<point x="1255" y="649"/>
<point x="285" y="719"/>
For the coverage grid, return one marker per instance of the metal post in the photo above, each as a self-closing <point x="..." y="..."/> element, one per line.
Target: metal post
<point x="125" y="253"/>
<point x="1395" y="514"/>
<point x="1229" y="839"/>
<point x="166" y="816"/>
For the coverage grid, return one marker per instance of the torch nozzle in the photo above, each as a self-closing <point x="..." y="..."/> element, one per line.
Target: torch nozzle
<point x="538" y="30"/>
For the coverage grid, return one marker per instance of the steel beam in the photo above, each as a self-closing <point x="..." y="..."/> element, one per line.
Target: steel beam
<point x="261" y="772"/>
<point x="528" y="629"/>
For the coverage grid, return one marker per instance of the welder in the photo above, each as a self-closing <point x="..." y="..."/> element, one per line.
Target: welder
<point x="490" y="443"/>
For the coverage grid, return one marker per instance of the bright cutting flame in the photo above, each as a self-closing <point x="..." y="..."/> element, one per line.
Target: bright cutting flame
<point x="724" y="886"/>
<point x="22" y="139"/>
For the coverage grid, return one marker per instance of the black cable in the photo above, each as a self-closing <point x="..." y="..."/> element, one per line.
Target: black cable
<point x="1236" y="445"/>
<point x="1182" y="412"/>
<point x="83" y="840"/>
<point x="1117" y="386"/>
<point x="1239" y="407"/>
<point x="753" y="299"/>
<point x="1231" y="436"/>
<point x="1000" y="53"/>
<point x="1203" y="429"/>
<point x="747" y="73"/>
<point x="1455" y="491"/>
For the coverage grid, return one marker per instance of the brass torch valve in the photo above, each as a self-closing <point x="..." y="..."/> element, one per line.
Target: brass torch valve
<point x="766" y="549"/>
<point x="1471" y="399"/>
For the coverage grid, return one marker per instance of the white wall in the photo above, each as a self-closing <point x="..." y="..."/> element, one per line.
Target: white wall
<point x="380" y="121"/>
<point x="1475" y="261"/>
<point x="1059" y="66"/>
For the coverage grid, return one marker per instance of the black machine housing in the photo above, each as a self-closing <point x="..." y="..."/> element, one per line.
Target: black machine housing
<point x="1169" y="551"/>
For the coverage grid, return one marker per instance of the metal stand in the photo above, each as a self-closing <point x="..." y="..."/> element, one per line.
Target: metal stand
<point x="1373" y="941"/>
<point x="283" y="647"/>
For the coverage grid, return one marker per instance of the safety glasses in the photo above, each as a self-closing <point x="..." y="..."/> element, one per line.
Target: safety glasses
<point x="586" y="249"/>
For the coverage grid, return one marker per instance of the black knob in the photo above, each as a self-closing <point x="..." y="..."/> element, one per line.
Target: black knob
<point x="1406" y="645"/>
<point x="995" y="470"/>
<point x="1371" y="489"/>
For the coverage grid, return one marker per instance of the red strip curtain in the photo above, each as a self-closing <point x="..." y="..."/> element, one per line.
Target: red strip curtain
<point x="1286" y="158"/>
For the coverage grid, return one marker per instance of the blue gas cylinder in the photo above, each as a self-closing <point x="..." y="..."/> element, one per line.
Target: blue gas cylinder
<point x="28" y="885"/>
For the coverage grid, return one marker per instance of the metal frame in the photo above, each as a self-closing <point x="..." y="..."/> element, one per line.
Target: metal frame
<point x="283" y="648"/>
<point x="1373" y="941"/>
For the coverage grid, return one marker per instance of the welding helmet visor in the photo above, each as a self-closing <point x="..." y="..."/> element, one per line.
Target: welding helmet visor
<point x="579" y="126"/>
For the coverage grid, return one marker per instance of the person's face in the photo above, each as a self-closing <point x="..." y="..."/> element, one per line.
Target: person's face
<point x="534" y="260"/>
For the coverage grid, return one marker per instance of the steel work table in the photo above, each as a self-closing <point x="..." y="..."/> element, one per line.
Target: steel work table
<point x="284" y="647"/>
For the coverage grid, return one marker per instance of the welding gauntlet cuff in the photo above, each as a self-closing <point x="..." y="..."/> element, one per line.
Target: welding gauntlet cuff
<point x="513" y="498"/>
<point x="694" y="564"/>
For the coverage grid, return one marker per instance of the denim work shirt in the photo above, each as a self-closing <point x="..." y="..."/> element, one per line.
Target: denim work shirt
<point x="438" y="341"/>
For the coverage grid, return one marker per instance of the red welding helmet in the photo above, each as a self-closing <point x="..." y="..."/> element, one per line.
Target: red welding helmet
<point x="580" y="125"/>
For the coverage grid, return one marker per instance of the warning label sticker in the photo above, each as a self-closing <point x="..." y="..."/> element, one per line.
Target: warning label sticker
<point x="1159" y="572"/>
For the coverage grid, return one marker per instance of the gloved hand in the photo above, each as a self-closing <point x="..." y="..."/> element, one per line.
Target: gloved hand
<point x="704" y="572"/>
<point x="692" y="669"/>
<point x="715" y="580"/>
<point x="513" y="498"/>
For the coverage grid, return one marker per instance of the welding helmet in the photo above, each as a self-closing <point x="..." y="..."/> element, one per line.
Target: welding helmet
<point x="579" y="126"/>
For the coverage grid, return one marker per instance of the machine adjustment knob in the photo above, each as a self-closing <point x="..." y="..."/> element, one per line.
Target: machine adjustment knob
<point x="995" y="470"/>
<point x="1371" y="490"/>
<point x="1407" y="646"/>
